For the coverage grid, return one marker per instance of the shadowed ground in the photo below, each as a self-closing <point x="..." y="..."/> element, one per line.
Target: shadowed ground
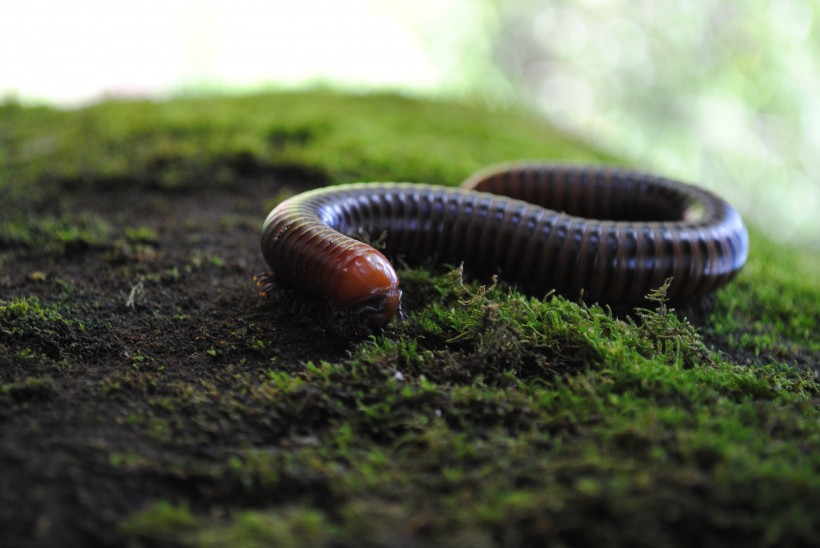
<point x="148" y="395"/>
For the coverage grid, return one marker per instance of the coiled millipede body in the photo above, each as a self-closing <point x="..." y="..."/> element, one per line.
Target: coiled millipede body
<point x="608" y="235"/>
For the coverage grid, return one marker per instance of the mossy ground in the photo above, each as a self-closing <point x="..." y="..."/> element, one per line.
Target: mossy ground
<point x="149" y="396"/>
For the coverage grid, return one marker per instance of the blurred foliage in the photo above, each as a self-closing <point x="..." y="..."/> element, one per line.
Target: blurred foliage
<point x="726" y="94"/>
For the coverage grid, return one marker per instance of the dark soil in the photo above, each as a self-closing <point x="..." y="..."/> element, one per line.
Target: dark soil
<point x="57" y="485"/>
<point x="150" y="396"/>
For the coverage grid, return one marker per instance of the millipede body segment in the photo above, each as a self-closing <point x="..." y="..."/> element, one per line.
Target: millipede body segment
<point x="605" y="234"/>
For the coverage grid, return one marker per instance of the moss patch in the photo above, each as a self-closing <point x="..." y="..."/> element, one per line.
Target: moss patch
<point x="149" y="396"/>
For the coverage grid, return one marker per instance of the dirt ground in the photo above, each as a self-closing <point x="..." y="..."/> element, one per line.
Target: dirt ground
<point x="150" y="396"/>
<point x="206" y="252"/>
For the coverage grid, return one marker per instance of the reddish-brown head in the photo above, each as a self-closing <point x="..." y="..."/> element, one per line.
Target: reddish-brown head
<point x="367" y="286"/>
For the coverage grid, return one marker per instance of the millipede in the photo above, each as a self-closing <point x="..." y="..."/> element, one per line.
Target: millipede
<point x="600" y="233"/>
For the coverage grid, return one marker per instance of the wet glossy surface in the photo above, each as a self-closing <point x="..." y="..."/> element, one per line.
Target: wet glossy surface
<point x="605" y="234"/>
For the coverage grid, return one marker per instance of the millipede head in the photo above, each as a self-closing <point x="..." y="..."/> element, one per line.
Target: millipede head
<point x="376" y="311"/>
<point x="368" y="287"/>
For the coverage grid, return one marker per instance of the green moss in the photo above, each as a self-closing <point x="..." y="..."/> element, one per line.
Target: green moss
<point x="772" y="311"/>
<point x="28" y="308"/>
<point x="125" y="460"/>
<point x="587" y="410"/>
<point x="484" y="417"/>
<point x="56" y="235"/>
<point x="141" y="235"/>
<point x="287" y="527"/>
<point x="28" y="388"/>
<point x="26" y="319"/>
<point x="318" y="136"/>
<point x="513" y="409"/>
<point x="160" y="523"/>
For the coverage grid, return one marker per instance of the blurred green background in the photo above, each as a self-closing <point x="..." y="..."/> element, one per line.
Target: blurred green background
<point x="722" y="93"/>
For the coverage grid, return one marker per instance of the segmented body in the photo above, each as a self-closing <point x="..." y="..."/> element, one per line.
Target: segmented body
<point x="606" y="234"/>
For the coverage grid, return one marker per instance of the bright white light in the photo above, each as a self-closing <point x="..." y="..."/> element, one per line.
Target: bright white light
<point x="69" y="52"/>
